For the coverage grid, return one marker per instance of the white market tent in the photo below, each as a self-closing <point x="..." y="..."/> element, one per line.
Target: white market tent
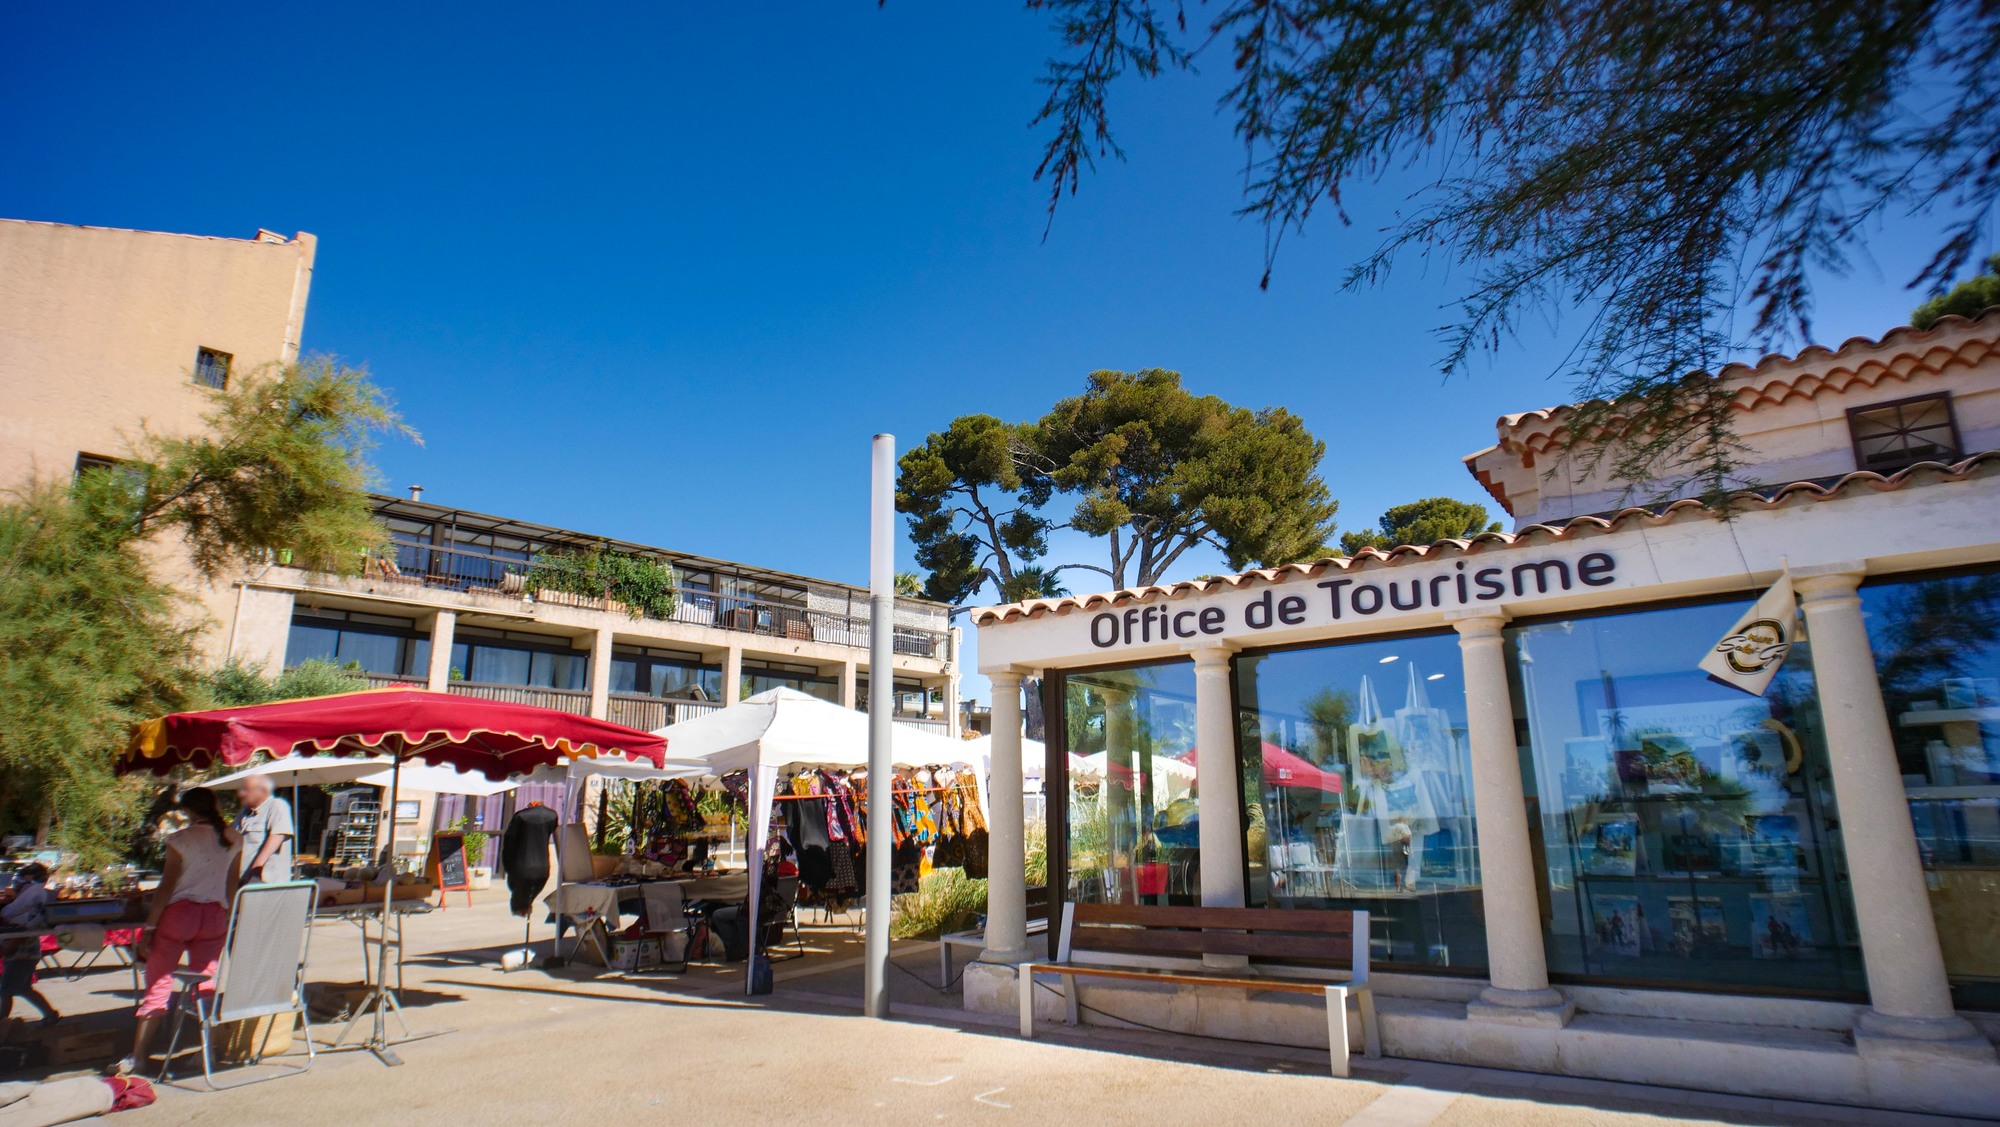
<point x="787" y="728"/>
<point x="327" y="770"/>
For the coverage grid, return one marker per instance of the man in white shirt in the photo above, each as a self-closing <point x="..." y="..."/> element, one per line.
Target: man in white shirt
<point x="265" y="821"/>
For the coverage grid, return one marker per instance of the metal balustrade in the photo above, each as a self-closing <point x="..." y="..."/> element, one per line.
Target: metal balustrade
<point x="426" y="566"/>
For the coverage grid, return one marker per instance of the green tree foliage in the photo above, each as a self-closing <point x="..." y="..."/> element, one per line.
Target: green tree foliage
<point x="647" y="587"/>
<point x="1157" y="470"/>
<point x="1659" y="164"/>
<point x="974" y="510"/>
<point x="1966" y="299"/>
<point x="1152" y="469"/>
<point x="91" y="640"/>
<point x="234" y="683"/>
<point x="1421" y="522"/>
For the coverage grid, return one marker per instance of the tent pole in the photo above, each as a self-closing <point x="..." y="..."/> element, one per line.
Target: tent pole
<point x="379" y="1042"/>
<point x="881" y="699"/>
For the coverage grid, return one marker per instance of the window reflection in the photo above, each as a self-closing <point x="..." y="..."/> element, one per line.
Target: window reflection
<point x="1357" y="766"/>
<point x="1133" y="832"/>
<point x="1687" y="827"/>
<point x="1937" y="650"/>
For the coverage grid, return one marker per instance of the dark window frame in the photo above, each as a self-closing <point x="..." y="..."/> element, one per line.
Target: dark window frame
<point x="205" y="363"/>
<point x="1951" y="423"/>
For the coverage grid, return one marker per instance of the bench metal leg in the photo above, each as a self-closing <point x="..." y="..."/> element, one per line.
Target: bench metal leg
<point x="1070" y="1014"/>
<point x="1371" y="1029"/>
<point x="1336" y="1028"/>
<point x="1024" y="989"/>
<point x="944" y="965"/>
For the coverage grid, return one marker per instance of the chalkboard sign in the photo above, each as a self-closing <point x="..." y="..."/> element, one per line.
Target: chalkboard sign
<point x="448" y="865"/>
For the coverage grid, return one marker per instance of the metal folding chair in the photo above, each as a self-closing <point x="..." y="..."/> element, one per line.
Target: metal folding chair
<point x="262" y="974"/>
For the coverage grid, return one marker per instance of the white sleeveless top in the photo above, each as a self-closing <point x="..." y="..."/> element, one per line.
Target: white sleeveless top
<point x="205" y="865"/>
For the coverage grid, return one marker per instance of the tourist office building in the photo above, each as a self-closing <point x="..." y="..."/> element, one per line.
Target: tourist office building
<point x="1580" y="852"/>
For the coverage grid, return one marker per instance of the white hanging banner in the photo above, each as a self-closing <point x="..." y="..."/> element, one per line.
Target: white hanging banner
<point x="1750" y="654"/>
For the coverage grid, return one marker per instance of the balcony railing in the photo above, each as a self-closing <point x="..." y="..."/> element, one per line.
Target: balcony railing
<point x="393" y="681"/>
<point x="651" y="713"/>
<point x="565" y="700"/>
<point x="937" y="726"/>
<point x="421" y="565"/>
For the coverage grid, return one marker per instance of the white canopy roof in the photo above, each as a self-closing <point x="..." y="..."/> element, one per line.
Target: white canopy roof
<point x="1034" y="755"/>
<point x="318" y="770"/>
<point x="785" y="727"/>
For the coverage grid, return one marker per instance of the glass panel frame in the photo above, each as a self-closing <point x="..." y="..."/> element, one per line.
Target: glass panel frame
<point x="1354" y="804"/>
<point x="1693" y="839"/>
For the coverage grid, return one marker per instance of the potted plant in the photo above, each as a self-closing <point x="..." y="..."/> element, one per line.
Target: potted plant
<point x="477" y="874"/>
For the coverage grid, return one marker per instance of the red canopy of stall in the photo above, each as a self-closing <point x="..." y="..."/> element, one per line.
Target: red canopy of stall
<point x="498" y="739"/>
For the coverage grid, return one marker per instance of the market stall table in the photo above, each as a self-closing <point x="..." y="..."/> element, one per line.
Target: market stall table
<point x="584" y="903"/>
<point x="370" y="911"/>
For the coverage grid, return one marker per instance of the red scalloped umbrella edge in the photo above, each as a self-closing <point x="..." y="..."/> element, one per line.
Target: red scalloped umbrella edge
<point x="498" y="739"/>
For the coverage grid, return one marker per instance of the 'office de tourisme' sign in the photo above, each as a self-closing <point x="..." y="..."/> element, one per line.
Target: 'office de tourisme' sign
<point x="1345" y="599"/>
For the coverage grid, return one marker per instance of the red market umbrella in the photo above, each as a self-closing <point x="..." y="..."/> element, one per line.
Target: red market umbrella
<point x="1285" y="769"/>
<point x="498" y="739"/>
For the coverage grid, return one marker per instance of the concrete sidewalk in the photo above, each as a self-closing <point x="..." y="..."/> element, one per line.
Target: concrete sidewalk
<point x="564" y="1047"/>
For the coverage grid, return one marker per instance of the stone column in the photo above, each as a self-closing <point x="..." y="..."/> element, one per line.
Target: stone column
<point x="1910" y="996"/>
<point x="952" y="726"/>
<point x="1517" y="964"/>
<point x="732" y="676"/>
<point x="442" y="629"/>
<point x="600" y="674"/>
<point x="850" y="673"/>
<point x="1218" y="795"/>
<point x="1006" y="865"/>
<point x="1218" y="798"/>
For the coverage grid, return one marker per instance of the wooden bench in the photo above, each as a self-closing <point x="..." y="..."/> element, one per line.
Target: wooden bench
<point x="1159" y="944"/>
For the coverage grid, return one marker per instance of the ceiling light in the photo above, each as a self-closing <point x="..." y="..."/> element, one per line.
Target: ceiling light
<point x="1435" y="677"/>
<point x="1387" y="660"/>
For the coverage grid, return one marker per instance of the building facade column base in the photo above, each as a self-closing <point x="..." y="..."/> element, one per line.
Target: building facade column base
<point x="1011" y="958"/>
<point x="1889" y="1037"/>
<point x="1546" y="1008"/>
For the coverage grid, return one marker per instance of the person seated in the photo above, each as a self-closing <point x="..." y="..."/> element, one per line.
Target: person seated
<point x="18" y="957"/>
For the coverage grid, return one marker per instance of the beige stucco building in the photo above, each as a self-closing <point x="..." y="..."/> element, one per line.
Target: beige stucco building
<point x="103" y="331"/>
<point x="1581" y="853"/>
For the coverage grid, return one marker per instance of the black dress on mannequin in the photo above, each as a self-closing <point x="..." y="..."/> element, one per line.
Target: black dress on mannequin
<point x="525" y="851"/>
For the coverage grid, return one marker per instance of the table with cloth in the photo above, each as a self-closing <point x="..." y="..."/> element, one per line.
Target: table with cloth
<point x="661" y="902"/>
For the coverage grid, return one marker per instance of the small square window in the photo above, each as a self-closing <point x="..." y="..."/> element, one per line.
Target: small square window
<point x="1894" y="436"/>
<point x="87" y="462"/>
<point x="211" y="368"/>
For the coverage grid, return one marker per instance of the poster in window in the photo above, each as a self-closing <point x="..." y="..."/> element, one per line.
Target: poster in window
<point x="1611" y="845"/>
<point x="1695" y="925"/>
<point x="1619" y="924"/>
<point x="1779" y="926"/>
<point x="1771" y="845"/>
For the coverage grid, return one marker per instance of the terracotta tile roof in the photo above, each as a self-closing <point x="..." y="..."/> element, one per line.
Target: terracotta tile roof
<point x="1800" y="492"/>
<point x="1900" y="354"/>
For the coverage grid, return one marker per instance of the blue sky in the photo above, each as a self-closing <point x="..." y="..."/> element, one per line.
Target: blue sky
<point x="659" y="272"/>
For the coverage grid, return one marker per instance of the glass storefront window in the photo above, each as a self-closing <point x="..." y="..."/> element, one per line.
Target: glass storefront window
<point x="493" y="664"/>
<point x="1937" y="650"/>
<point x="1358" y="772"/>
<point x="390" y="654"/>
<point x="824" y="689"/>
<point x="1688" y="828"/>
<point x="1133" y="835"/>
<point x="673" y="680"/>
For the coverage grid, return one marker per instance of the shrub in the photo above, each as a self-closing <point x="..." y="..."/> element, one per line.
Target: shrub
<point x="945" y="901"/>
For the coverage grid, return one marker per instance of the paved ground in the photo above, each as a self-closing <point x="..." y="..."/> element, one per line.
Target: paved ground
<point x="563" y="1048"/>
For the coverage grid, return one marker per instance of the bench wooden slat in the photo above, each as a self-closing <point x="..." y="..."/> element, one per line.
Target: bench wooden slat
<point x="1318" y="921"/>
<point x="1141" y="941"/>
<point x="1285" y="985"/>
